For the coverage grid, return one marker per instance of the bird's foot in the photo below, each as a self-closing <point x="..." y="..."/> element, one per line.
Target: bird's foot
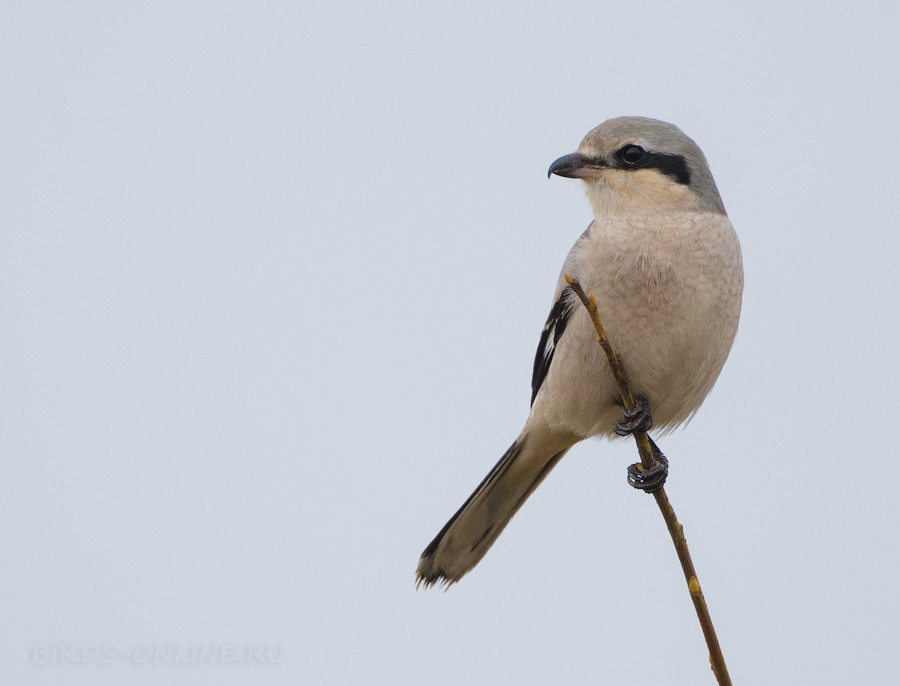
<point x="637" y="419"/>
<point x="653" y="479"/>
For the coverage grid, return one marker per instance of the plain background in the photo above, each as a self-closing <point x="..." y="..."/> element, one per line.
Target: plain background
<point x="272" y="279"/>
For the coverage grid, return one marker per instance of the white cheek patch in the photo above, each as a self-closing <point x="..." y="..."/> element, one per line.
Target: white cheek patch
<point x="650" y="182"/>
<point x="641" y="189"/>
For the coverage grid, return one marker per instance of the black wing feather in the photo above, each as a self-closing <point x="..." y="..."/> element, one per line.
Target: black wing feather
<point x="553" y="331"/>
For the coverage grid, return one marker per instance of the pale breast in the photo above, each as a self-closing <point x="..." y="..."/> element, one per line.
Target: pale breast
<point x="668" y="288"/>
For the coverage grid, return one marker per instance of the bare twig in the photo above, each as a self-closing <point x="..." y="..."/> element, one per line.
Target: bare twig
<point x="676" y="531"/>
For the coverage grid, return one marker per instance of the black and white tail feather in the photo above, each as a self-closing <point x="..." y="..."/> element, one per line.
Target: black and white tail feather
<point x="465" y="539"/>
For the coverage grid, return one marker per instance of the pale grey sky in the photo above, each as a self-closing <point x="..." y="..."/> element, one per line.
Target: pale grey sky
<point x="272" y="279"/>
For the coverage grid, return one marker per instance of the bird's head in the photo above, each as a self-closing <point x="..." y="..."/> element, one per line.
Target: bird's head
<point x="636" y="164"/>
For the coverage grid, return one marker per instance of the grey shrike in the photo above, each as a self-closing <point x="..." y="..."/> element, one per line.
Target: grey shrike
<point x="665" y="266"/>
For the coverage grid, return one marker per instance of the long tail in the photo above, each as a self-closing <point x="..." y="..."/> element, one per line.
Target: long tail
<point x="469" y="534"/>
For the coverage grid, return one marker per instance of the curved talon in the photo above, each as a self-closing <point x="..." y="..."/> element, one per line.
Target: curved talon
<point x="649" y="480"/>
<point x="637" y="419"/>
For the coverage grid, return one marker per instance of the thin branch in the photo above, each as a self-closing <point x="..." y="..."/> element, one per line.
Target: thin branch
<point x="676" y="531"/>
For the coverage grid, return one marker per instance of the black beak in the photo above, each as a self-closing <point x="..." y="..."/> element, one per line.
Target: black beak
<point x="576" y="166"/>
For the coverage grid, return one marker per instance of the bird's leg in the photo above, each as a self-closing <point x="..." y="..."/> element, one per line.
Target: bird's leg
<point x="653" y="479"/>
<point x="637" y="419"/>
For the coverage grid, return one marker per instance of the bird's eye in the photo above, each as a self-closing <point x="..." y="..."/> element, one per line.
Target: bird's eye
<point x="631" y="154"/>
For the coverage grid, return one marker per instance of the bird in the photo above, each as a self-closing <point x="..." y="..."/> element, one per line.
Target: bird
<point x="664" y="264"/>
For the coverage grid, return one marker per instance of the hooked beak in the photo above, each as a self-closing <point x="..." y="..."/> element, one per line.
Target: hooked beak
<point x="577" y="166"/>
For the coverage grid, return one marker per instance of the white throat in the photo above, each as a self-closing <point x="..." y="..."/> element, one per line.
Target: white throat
<point x="644" y="191"/>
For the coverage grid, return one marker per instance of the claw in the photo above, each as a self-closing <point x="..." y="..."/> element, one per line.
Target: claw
<point x="637" y="419"/>
<point x="653" y="479"/>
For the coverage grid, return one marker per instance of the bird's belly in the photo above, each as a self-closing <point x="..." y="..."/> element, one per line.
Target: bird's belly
<point x="669" y="310"/>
